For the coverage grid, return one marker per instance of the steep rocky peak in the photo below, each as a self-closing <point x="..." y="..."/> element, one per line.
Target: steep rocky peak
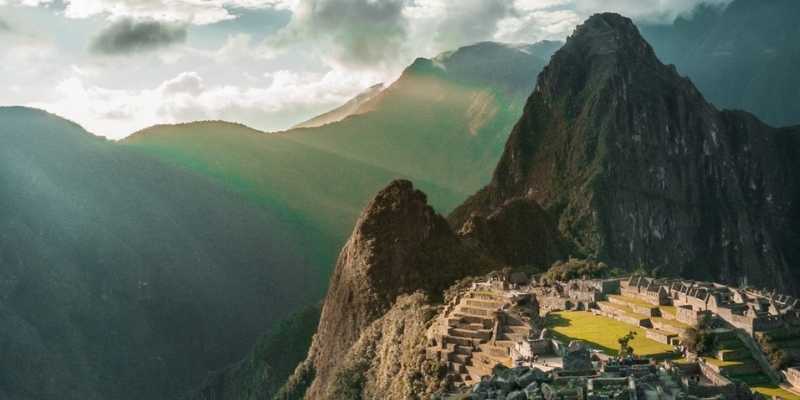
<point x="605" y="46"/>
<point x="397" y="209"/>
<point x="638" y="168"/>
<point x="608" y="33"/>
<point x="399" y="245"/>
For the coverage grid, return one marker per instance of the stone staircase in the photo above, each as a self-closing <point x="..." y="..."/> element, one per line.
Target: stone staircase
<point x="474" y="341"/>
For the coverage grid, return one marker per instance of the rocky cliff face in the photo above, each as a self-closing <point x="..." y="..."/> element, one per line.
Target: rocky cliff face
<point x="637" y="168"/>
<point x="519" y="233"/>
<point x="399" y="246"/>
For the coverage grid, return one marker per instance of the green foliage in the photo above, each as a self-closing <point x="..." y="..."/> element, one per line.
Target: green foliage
<point x="625" y="349"/>
<point x="698" y="340"/>
<point x="269" y="364"/>
<point x="349" y="382"/>
<point x="575" y="268"/>
<point x="295" y="388"/>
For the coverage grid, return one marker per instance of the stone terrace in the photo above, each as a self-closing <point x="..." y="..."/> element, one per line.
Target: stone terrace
<point x="476" y="333"/>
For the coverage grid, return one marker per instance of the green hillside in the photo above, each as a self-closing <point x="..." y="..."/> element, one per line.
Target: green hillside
<point x="320" y="192"/>
<point x="444" y="120"/>
<point x="125" y="278"/>
<point x="442" y="124"/>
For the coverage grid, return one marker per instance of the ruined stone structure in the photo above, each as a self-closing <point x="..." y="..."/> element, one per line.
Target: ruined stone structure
<point x="498" y="322"/>
<point x="480" y="328"/>
<point x="747" y="309"/>
<point x="577" y="294"/>
<point x="612" y="380"/>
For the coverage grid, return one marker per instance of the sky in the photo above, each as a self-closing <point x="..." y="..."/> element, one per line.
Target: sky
<point x="118" y="66"/>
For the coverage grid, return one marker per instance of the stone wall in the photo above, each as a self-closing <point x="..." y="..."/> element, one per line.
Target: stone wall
<point x="661" y="336"/>
<point x="793" y="377"/>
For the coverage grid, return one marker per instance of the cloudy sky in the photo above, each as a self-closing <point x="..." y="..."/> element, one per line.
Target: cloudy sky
<point x="117" y="66"/>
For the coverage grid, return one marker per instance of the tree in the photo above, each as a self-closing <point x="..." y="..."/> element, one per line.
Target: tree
<point x="625" y="349"/>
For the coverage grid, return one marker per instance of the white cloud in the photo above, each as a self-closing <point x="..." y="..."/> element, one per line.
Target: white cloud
<point x="282" y="99"/>
<point x="198" y="12"/>
<point x="242" y="48"/>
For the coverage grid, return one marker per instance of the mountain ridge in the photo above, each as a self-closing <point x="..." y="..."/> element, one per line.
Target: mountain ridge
<point x="583" y="144"/>
<point x="353" y="106"/>
<point x="110" y="259"/>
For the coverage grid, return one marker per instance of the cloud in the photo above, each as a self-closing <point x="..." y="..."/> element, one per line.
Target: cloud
<point x="241" y="48"/>
<point x="4" y="26"/>
<point x="459" y="24"/>
<point x="279" y="100"/>
<point x="186" y="82"/>
<point x="196" y="12"/>
<point x="128" y="36"/>
<point x="652" y="11"/>
<point x="349" y="32"/>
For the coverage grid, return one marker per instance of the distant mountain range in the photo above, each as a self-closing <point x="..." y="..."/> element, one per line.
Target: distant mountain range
<point x="126" y="278"/>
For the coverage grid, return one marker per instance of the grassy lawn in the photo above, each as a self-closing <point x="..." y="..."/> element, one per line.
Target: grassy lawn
<point x="602" y="333"/>
<point x="720" y="363"/>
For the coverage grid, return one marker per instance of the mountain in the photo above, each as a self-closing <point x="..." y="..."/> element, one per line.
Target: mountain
<point x="616" y="157"/>
<point x="399" y="246"/>
<point x="327" y="174"/>
<point x="630" y="165"/>
<point x="742" y="56"/>
<point x="122" y="277"/>
<point x="353" y="107"/>
<point x="638" y="169"/>
<point x="465" y="101"/>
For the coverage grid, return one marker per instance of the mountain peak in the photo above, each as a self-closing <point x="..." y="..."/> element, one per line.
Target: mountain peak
<point x="633" y="163"/>
<point x="399" y="245"/>
<point x="608" y="33"/>
<point x="605" y="46"/>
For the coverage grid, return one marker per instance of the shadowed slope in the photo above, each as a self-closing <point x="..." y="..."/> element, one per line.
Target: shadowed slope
<point x="123" y="278"/>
